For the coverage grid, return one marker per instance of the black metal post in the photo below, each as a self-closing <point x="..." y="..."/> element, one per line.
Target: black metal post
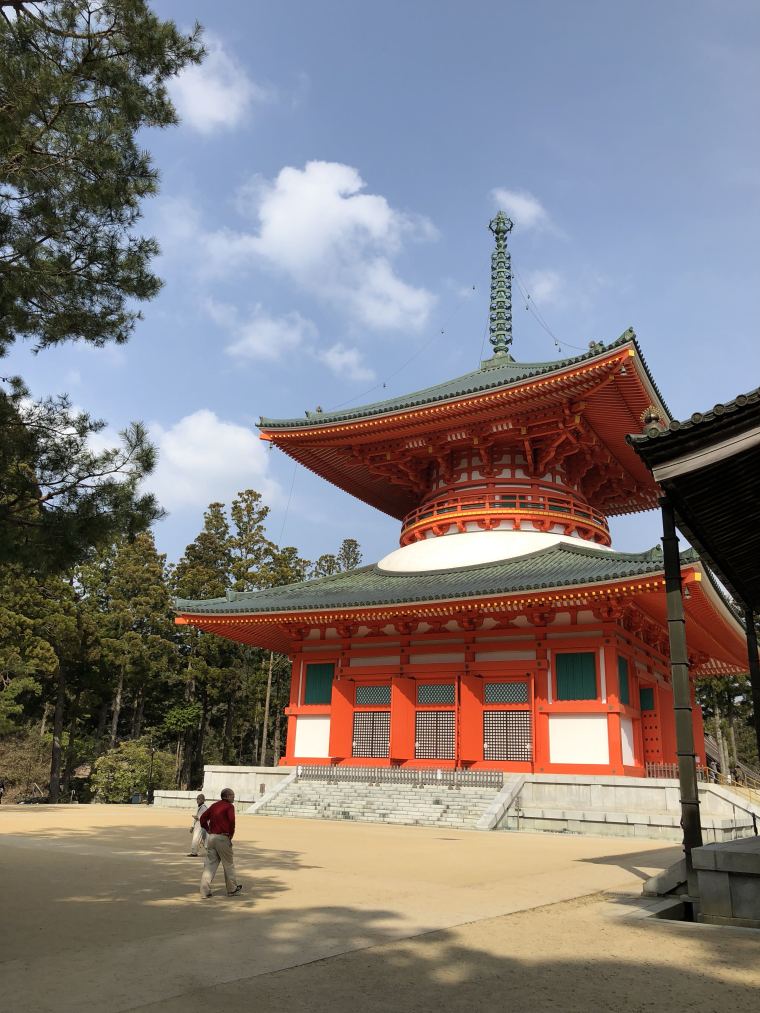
<point x="150" y="773"/>
<point x="754" y="668"/>
<point x="679" y="670"/>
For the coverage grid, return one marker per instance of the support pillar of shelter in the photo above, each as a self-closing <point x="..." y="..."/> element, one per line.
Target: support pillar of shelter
<point x="679" y="668"/>
<point x="754" y="669"/>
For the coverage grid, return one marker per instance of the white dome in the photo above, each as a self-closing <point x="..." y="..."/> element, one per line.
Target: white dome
<point x="471" y="547"/>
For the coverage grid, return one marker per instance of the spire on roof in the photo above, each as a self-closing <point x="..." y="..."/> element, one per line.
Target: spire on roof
<point x="501" y="287"/>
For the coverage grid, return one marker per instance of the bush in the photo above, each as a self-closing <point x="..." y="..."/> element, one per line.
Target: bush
<point x="121" y="772"/>
<point x="24" y="764"/>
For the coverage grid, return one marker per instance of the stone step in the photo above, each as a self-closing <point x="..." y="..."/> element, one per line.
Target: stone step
<point x="431" y="805"/>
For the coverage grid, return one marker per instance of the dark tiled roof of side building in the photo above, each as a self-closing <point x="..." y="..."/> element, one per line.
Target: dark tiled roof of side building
<point x="561" y="565"/>
<point x="700" y="425"/>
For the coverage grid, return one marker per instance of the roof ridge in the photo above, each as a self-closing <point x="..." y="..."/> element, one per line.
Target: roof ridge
<point x="412" y="399"/>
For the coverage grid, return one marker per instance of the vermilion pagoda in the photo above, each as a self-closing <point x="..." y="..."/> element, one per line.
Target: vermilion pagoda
<point x="505" y="632"/>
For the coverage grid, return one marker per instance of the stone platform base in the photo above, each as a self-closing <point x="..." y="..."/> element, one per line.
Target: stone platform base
<point x="250" y="785"/>
<point x="571" y="804"/>
<point x="728" y="876"/>
<point x="623" y="807"/>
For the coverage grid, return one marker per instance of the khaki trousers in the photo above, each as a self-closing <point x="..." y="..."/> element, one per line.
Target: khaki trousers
<point x="218" y="849"/>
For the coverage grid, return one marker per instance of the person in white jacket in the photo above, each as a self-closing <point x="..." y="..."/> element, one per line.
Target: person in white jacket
<point x="199" y="834"/>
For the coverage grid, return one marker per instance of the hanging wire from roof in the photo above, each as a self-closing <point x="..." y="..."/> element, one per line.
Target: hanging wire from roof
<point x="421" y="348"/>
<point x="531" y="306"/>
<point x="287" y="506"/>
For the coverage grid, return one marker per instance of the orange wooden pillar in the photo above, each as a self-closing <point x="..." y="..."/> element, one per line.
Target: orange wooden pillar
<point x="403" y="705"/>
<point x="342" y="719"/>
<point x="541" y="698"/>
<point x="470" y="719"/>
<point x="296" y="670"/>
<point x="609" y="658"/>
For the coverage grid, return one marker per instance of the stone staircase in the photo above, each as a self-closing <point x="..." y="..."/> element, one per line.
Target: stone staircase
<point x="425" y="805"/>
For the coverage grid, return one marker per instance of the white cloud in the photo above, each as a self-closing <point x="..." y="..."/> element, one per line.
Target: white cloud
<point x="345" y="361"/>
<point x="316" y="226"/>
<point x="523" y="208"/>
<point x="545" y="286"/>
<point x="216" y="94"/>
<point x="261" y="336"/>
<point x="202" y="458"/>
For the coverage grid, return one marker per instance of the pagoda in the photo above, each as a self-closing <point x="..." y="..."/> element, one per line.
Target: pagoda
<point x="504" y="632"/>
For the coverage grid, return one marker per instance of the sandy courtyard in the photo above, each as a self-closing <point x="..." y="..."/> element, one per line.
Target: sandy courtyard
<point x="101" y="912"/>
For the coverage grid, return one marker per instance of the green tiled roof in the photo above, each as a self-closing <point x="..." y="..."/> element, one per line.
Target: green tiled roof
<point x="499" y="371"/>
<point x="561" y="565"/>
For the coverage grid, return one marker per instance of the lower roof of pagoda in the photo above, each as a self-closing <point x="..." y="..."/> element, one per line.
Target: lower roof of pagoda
<point x="555" y="577"/>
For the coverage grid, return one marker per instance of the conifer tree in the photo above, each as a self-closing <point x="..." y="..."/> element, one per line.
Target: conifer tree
<point x="79" y="79"/>
<point x="138" y="639"/>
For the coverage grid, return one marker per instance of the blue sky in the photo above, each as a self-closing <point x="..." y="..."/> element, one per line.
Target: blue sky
<point x="323" y="219"/>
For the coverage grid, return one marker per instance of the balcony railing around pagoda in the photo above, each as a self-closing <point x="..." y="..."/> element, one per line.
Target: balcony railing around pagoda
<point x="523" y="510"/>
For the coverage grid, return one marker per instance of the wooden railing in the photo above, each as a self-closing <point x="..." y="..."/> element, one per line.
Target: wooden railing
<point x="491" y="507"/>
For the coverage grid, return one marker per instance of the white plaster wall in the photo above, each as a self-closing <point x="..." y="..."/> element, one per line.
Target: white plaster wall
<point x="312" y="737"/>
<point x="436" y="659"/>
<point x="378" y="659"/>
<point x="626" y="736"/>
<point x="578" y="738"/>
<point x="472" y="547"/>
<point x="505" y="656"/>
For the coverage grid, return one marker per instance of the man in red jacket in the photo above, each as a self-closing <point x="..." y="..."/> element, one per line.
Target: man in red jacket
<point x="219" y="823"/>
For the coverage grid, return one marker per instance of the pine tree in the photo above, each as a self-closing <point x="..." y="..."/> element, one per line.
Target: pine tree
<point x="58" y="496"/>
<point x="79" y="80"/>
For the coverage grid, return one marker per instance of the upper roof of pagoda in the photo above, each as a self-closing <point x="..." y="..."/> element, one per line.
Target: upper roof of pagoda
<point x="609" y="388"/>
<point x="496" y="373"/>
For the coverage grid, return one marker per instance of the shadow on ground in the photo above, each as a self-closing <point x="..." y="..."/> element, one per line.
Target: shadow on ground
<point x="559" y="958"/>
<point x="639" y="863"/>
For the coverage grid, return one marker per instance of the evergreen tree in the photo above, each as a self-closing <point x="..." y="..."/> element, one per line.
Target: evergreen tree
<point x="79" y="79"/>
<point x="204" y="571"/>
<point x="26" y="657"/>
<point x="58" y="496"/>
<point x="250" y="548"/>
<point x="138" y="640"/>
<point x="349" y="554"/>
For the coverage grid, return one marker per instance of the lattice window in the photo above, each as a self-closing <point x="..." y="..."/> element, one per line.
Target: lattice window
<point x="435" y="693"/>
<point x="434" y="735"/>
<point x="506" y="692"/>
<point x="373" y="696"/>
<point x="371" y="733"/>
<point x="507" y="735"/>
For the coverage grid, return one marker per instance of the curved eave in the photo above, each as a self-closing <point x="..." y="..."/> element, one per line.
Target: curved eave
<point x="712" y="631"/>
<point x="613" y="410"/>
